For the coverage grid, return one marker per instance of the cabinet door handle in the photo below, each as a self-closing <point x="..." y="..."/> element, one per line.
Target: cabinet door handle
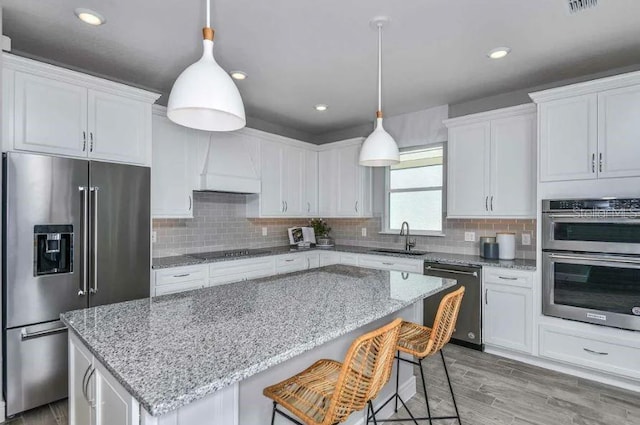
<point x="593" y="162"/>
<point x="190" y="202"/>
<point x="84" y="380"/>
<point x="286" y="206"/>
<point x="91" y="144"/>
<point x="282" y="206"/>
<point x="356" y="206"/>
<point x="308" y="206"/>
<point x="507" y="278"/>
<point x="84" y="141"/>
<point x="486" y="203"/>
<point x="86" y="386"/>
<point x="486" y="296"/>
<point x="598" y="353"/>
<point x="491" y="202"/>
<point x="600" y="162"/>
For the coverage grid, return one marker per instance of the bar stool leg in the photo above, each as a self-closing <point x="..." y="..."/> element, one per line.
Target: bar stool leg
<point x="397" y="379"/>
<point x="273" y="413"/>
<point x="424" y="387"/>
<point x="453" y="397"/>
<point x="373" y="413"/>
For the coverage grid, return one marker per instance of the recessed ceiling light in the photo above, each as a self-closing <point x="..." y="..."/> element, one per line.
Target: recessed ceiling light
<point x="499" y="52"/>
<point x="90" y="17"/>
<point x="321" y="107"/>
<point x="238" y="75"/>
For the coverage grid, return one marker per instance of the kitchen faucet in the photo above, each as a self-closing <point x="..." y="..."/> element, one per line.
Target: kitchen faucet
<point x="408" y="243"/>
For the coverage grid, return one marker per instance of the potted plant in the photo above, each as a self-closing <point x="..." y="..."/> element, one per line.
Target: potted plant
<point x="321" y="230"/>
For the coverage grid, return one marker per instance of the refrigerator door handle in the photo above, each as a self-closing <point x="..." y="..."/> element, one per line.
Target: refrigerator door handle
<point x="94" y="268"/>
<point x="85" y="240"/>
<point x="24" y="335"/>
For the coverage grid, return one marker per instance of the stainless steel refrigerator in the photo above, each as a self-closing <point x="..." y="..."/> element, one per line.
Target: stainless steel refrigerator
<point x="76" y="235"/>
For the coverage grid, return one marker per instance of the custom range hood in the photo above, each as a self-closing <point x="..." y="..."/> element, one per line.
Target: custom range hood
<point x="230" y="164"/>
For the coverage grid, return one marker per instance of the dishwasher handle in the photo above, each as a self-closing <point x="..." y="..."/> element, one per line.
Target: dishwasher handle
<point x="436" y="269"/>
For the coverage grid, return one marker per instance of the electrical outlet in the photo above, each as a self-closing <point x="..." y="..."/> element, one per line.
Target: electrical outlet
<point x="364" y="232"/>
<point x="469" y="236"/>
<point x="264" y="231"/>
<point x="154" y="237"/>
<point x="526" y="239"/>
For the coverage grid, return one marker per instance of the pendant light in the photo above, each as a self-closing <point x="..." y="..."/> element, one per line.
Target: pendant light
<point x="379" y="149"/>
<point x="204" y="96"/>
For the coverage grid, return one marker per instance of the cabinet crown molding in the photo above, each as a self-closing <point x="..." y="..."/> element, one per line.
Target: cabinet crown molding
<point x="525" y="109"/>
<point x="31" y="66"/>
<point x="587" y="87"/>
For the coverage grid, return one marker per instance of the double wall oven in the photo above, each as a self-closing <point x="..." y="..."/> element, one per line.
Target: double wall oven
<point x="591" y="261"/>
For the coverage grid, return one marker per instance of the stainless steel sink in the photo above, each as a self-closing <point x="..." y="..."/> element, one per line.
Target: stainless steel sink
<point x="399" y="251"/>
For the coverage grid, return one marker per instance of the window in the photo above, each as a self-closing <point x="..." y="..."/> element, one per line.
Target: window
<point x="414" y="191"/>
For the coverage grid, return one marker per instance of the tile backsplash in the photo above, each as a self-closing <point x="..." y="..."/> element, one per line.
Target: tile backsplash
<point x="219" y="222"/>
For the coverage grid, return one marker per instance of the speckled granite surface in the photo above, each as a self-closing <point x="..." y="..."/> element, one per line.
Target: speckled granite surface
<point x="172" y="350"/>
<point x="476" y="260"/>
<point x="444" y="258"/>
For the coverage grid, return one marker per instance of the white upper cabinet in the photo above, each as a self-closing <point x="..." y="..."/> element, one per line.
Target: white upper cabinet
<point x="171" y="174"/>
<point x="344" y="185"/>
<point x="491" y="164"/>
<point x="513" y="166"/>
<point x="468" y="165"/>
<point x="619" y="132"/>
<point x="49" y="116"/>
<point x="57" y="111"/>
<point x="568" y="139"/>
<point x="590" y="130"/>
<point x="119" y="128"/>
<point x="310" y="200"/>
<point x="289" y="181"/>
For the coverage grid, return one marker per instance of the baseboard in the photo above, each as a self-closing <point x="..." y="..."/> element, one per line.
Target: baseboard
<point x="568" y="369"/>
<point x="406" y="391"/>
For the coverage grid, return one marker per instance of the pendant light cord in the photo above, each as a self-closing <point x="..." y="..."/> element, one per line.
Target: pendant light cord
<point x="379" y="68"/>
<point x="208" y="13"/>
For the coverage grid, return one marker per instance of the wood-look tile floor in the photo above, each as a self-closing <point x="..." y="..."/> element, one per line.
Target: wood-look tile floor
<point x="490" y="390"/>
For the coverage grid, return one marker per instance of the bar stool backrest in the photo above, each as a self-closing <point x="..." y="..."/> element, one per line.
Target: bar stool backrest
<point x="445" y="321"/>
<point x="366" y="369"/>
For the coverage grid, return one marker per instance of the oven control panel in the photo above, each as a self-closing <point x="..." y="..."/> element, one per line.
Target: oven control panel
<point x="591" y="204"/>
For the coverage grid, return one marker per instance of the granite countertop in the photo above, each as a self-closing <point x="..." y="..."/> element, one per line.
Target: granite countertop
<point x="438" y="257"/>
<point x="172" y="350"/>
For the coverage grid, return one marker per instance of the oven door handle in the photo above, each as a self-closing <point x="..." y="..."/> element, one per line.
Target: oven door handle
<point x="634" y="216"/>
<point x="623" y="260"/>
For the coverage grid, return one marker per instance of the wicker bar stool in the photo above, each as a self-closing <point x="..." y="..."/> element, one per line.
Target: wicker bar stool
<point x="422" y="342"/>
<point x="328" y="391"/>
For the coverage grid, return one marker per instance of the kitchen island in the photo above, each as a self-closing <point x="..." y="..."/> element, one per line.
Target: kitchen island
<point x="204" y="356"/>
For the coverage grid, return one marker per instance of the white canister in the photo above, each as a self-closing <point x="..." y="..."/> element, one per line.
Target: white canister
<point x="507" y="243"/>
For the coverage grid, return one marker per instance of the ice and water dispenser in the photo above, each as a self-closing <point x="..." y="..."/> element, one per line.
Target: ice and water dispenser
<point x="53" y="245"/>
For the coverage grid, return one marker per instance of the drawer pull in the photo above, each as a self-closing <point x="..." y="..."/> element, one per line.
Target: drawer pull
<point x="507" y="278"/>
<point x="599" y="353"/>
<point x="289" y="260"/>
<point x="388" y="264"/>
<point x="182" y="275"/>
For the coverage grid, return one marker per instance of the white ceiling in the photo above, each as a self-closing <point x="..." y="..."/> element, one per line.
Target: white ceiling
<point x="301" y="52"/>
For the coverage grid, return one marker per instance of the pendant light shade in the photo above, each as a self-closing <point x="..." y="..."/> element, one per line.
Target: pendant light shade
<point x="379" y="149"/>
<point x="204" y="96"/>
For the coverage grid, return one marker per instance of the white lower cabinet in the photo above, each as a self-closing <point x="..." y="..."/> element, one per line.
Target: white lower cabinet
<point x="180" y="279"/>
<point x="508" y="309"/>
<point x="95" y="397"/>
<point x="239" y="270"/>
<point x="587" y="346"/>
<point x="348" y="259"/>
<point x="391" y="263"/>
<point x="329" y="258"/>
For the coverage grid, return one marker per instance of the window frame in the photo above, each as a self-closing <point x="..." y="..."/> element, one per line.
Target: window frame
<point x="387" y="192"/>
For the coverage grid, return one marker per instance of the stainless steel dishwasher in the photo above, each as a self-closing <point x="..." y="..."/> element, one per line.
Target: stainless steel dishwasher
<point x="469" y="325"/>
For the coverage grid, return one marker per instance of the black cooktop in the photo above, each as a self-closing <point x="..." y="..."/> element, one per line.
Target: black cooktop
<point x="226" y="254"/>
